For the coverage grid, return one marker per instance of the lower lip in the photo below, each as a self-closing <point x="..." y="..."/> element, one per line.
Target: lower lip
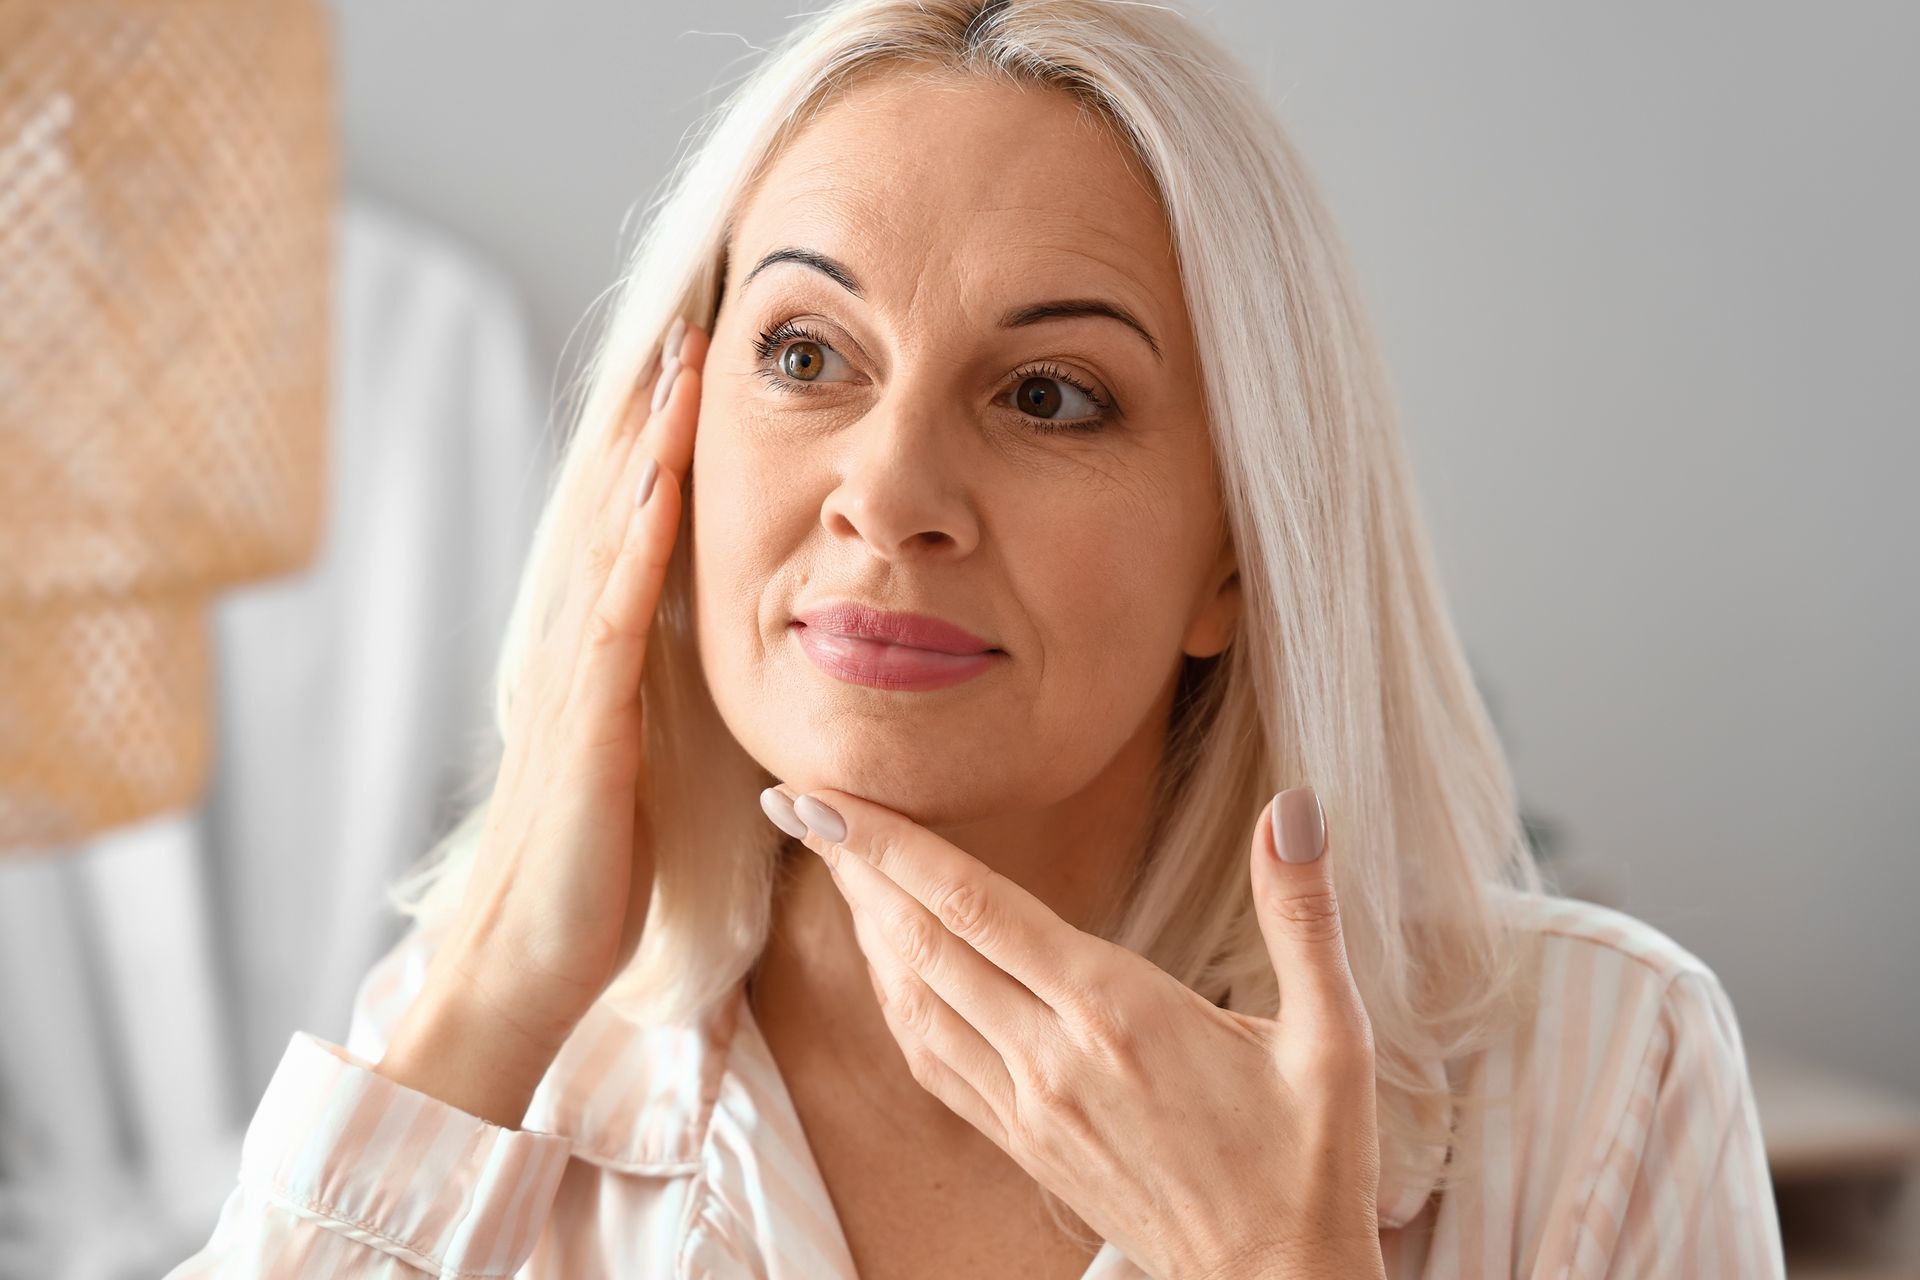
<point x="880" y="665"/>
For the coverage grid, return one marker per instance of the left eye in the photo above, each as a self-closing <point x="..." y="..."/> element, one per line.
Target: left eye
<point x="1047" y="396"/>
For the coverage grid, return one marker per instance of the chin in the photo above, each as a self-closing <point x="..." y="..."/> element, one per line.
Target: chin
<point x="932" y="786"/>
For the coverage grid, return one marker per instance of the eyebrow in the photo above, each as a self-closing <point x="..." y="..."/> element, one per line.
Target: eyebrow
<point x="1030" y="314"/>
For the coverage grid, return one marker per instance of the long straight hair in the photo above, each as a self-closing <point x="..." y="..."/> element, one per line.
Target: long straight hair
<point x="1345" y="673"/>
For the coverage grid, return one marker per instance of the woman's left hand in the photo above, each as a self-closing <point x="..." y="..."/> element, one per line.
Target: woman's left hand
<point x="1206" y="1144"/>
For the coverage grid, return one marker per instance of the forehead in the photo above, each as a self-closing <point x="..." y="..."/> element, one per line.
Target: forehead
<point x="970" y="186"/>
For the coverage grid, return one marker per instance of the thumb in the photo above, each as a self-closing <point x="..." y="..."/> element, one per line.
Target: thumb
<point x="1300" y="917"/>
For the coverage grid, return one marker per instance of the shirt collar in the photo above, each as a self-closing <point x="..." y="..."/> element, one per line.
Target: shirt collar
<point x="633" y="1097"/>
<point x="638" y="1099"/>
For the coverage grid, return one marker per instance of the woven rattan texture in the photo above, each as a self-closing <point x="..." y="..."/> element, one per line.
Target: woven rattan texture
<point x="167" y="179"/>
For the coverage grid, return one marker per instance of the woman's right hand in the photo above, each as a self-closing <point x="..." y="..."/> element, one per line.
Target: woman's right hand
<point x="564" y="871"/>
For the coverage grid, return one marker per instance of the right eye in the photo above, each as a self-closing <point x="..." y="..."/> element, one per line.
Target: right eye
<point x="792" y="357"/>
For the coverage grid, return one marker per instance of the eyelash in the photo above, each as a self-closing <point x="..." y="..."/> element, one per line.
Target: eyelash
<point x="771" y="340"/>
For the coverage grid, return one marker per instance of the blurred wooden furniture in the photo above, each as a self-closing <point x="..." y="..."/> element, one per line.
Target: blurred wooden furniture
<point x="1845" y="1159"/>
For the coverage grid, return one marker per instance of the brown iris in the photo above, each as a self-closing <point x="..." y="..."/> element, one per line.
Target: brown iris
<point x="1039" y="394"/>
<point x="802" y="360"/>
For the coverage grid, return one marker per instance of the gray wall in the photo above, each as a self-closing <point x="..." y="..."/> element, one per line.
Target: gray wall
<point x="1646" y="276"/>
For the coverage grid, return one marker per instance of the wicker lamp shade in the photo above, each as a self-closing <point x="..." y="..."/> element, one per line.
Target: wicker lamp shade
<point x="167" y="180"/>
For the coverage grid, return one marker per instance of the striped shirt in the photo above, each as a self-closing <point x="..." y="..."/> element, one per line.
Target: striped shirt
<point x="1632" y="1147"/>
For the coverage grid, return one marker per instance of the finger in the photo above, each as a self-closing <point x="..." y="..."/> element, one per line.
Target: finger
<point x="932" y="980"/>
<point x="622" y="456"/>
<point x="990" y="914"/>
<point x="944" y="1083"/>
<point x="614" y="648"/>
<point x="670" y="431"/>
<point x="614" y="641"/>
<point x="1299" y="915"/>
<point x="553" y="672"/>
<point x="612" y="470"/>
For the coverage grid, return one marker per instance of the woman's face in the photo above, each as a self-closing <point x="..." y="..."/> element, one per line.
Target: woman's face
<point x="1044" y="482"/>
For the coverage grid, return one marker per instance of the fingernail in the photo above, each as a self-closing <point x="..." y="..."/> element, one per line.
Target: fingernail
<point x="823" y="821"/>
<point x="1299" y="826"/>
<point x="675" y="333"/>
<point x="649" y="470"/>
<point x="779" y="811"/>
<point x="668" y="372"/>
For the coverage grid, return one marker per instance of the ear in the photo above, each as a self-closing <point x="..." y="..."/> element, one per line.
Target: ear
<point x="1214" y="625"/>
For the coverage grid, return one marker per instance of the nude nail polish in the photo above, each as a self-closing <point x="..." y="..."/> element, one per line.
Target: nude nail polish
<point x="1299" y="825"/>
<point x="668" y="372"/>
<point x="820" y="818"/>
<point x="779" y="811"/>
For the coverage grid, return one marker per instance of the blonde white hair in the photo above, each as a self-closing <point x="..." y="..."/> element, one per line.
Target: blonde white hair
<point x="1345" y="672"/>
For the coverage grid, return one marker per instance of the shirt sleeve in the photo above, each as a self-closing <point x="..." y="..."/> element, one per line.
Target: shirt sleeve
<point x="1683" y="1188"/>
<point x="346" y="1173"/>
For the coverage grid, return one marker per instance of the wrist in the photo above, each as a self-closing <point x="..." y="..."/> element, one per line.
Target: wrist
<point x="468" y="1057"/>
<point x="1367" y="1264"/>
<point x="1346" y="1260"/>
<point x="1342" y="1262"/>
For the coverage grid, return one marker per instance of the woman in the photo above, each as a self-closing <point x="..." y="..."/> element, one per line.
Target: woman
<point x="1023" y="319"/>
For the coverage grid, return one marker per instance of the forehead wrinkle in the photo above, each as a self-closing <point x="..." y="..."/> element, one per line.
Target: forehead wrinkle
<point x="864" y="205"/>
<point x="1028" y="271"/>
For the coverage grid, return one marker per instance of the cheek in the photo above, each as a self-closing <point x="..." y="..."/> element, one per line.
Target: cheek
<point x="1103" y="573"/>
<point x="728" y="544"/>
<point x="741" y="493"/>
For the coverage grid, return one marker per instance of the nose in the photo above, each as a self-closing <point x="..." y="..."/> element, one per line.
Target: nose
<point x="901" y="482"/>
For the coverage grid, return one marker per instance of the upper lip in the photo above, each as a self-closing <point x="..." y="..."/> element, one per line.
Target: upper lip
<point x="914" y="630"/>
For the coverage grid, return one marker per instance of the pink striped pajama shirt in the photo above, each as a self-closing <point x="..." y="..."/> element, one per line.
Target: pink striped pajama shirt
<point x="1632" y="1149"/>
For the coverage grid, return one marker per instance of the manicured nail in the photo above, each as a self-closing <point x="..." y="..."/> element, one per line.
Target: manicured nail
<point x="824" y="822"/>
<point x="668" y="372"/>
<point x="1299" y="826"/>
<point x="779" y="811"/>
<point x="649" y="471"/>
<point x="675" y="332"/>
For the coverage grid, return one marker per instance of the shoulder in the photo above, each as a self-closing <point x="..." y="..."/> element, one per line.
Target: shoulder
<point x="1626" y="1018"/>
<point x="1604" y="973"/>
<point x="1625" y="1107"/>
<point x="1597" y="934"/>
<point x="1619" y="1000"/>
<point x="1629" y="1059"/>
<point x="1623" y="1012"/>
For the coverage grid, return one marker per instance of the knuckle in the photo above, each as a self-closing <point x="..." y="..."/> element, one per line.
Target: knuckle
<point x="924" y="1066"/>
<point x="913" y="1004"/>
<point x="1312" y="917"/>
<point x="965" y="908"/>
<point x="1052" y="1114"/>
<point x="883" y="849"/>
<point x="602" y="554"/>
<point x="1108" y="1034"/>
<point x="1047" y="1089"/>
<point x="913" y="935"/>
<point x="603" y="629"/>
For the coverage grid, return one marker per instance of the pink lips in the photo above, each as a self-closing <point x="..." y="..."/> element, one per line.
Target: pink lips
<point x="903" y="651"/>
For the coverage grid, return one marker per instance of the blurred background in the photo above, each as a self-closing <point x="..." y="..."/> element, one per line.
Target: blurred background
<point x="1646" y="277"/>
